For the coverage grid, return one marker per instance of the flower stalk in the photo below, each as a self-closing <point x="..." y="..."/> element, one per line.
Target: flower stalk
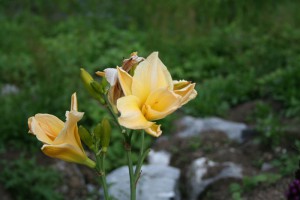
<point x="100" y="159"/>
<point x="130" y="169"/>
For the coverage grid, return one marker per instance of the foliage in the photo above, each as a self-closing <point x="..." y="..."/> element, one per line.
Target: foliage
<point x="29" y="180"/>
<point x="251" y="182"/>
<point x="268" y="124"/>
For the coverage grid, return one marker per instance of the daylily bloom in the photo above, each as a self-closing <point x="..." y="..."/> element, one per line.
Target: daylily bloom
<point x="61" y="140"/>
<point x="150" y="94"/>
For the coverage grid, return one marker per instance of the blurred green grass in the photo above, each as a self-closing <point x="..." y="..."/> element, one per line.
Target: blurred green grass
<point x="236" y="51"/>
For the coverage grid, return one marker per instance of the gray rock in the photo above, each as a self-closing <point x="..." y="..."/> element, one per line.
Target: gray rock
<point x="266" y="167"/>
<point x="159" y="158"/>
<point x="9" y="89"/>
<point x="194" y="126"/>
<point x="156" y="182"/>
<point x="200" y="168"/>
<point x="74" y="185"/>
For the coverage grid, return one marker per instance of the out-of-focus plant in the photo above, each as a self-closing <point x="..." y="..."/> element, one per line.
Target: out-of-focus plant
<point x="29" y="181"/>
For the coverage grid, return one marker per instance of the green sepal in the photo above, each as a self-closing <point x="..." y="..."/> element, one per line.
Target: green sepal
<point x="86" y="137"/>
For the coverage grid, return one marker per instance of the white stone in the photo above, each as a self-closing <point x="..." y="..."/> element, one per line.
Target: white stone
<point x="199" y="168"/>
<point x="159" y="158"/>
<point x="156" y="182"/>
<point x="194" y="126"/>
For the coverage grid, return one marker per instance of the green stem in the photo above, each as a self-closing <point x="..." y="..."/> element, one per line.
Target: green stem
<point x="131" y="175"/>
<point x="111" y="112"/>
<point x="142" y="143"/>
<point x="140" y="161"/>
<point x="139" y="165"/>
<point x="101" y="171"/>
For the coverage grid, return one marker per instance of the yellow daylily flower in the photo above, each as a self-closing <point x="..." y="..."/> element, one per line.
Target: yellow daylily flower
<point x="150" y="94"/>
<point x="61" y="140"/>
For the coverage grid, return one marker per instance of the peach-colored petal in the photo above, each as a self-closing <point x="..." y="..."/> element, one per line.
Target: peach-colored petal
<point x="46" y="127"/>
<point x="74" y="104"/>
<point x="125" y="81"/>
<point x="67" y="152"/>
<point x="131" y="115"/>
<point x="154" y="130"/>
<point x="99" y="73"/>
<point x="150" y="75"/>
<point x="161" y="103"/>
<point x="187" y="92"/>
<point x="70" y="133"/>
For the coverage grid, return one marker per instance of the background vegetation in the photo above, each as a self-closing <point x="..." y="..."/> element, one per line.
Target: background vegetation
<point x="236" y="52"/>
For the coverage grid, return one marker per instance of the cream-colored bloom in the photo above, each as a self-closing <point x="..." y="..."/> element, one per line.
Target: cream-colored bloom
<point x="61" y="140"/>
<point x="150" y="94"/>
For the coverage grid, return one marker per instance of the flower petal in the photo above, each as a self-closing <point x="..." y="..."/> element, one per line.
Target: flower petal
<point x="74" y="104"/>
<point x="125" y="81"/>
<point x="154" y="130"/>
<point x="45" y="127"/>
<point x="131" y="115"/>
<point x="70" y="134"/>
<point x="150" y="75"/>
<point x="66" y="152"/>
<point x="99" y="73"/>
<point x="111" y="75"/>
<point x="187" y="92"/>
<point x="161" y="103"/>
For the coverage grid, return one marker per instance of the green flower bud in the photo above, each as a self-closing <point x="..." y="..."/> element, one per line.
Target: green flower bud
<point x="88" y="82"/>
<point x="97" y="132"/>
<point x="96" y="86"/>
<point x="86" y="137"/>
<point x="105" y="134"/>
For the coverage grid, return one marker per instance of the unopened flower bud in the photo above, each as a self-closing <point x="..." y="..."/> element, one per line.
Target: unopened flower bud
<point x="91" y="85"/>
<point x="86" y="137"/>
<point x="105" y="134"/>
<point x="97" y="132"/>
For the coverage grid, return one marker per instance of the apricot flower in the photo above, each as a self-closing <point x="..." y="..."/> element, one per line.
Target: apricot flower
<point x="61" y="140"/>
<point x="150" y="94"/>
